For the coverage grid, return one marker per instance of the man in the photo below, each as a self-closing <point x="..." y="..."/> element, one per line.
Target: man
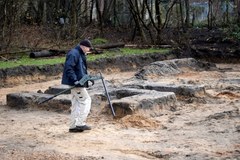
<point x="75" y="68"/>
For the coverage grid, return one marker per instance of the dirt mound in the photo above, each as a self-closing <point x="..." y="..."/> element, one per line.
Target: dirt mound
<point x="139" y="121"/>
<point x="173" y="67"/>
<point x="196" y="129"/>
<point x="26" y="74"/>
<point x="49" y="155"/>
<point x="228" y="94"/>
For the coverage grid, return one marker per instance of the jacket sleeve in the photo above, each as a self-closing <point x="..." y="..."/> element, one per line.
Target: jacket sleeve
<point x="70" y="63"/>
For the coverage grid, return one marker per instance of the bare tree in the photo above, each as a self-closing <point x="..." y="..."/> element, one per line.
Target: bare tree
<point x="237" y="10"/>
<point x="226" y="17"/>
<point x="135" y="9"/>
<point x="158" y="24"/>
<point x="181" y="14"/>
<point x="168" y="13"/>
<point x="158" y="13"/>
<point x="10" y="18"/>
<point x="210" y="14"/>
<point x="187" y="20"/>
<point x="74" y="19"/>
<point x="100" y="7"/>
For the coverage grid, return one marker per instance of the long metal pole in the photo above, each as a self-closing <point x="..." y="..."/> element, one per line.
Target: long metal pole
<point x="108" y="97"/>
<point x="56" y="95"/>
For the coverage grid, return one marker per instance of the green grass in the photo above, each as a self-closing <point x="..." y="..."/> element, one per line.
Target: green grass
<point x="97" y="41"/>
<point x="126" y="52"/>
<point x="26" y="61"/>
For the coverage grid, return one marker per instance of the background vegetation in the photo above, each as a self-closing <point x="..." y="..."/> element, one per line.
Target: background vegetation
<point x="26" y="60"/>
<point x="29" y="25"/>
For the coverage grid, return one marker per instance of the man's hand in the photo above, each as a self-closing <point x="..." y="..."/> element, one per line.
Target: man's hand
<point x="85" y="84"/>
<point x="92" y="82"/>
<point x="77" y="84"/>
<point x="85" y="79"/>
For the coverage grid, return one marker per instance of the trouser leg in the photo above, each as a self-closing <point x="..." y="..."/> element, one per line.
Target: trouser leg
<point x="81" y="105"/>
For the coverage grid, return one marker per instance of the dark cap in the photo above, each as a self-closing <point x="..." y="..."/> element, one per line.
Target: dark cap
<point x="86" y="43"/>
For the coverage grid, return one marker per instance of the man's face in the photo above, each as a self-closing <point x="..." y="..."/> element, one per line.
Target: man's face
<point x="86" y="50"/>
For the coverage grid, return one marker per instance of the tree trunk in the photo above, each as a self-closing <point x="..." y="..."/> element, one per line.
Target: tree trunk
<point x="210" y="14"/>
<point x="108" y="12"/>
<point x="47" y="53"/>
<point x="181" y="15"/>
<point x="168" y="14"/>
<point x="237" y="10"/>
<point x="115" y="19"/>
<point x="156" y="25"/>
<point x="178" y="15"/>
<point x="187" y="20"/>
<point x="74" y="19"/>
<point x="158" y="14"/>
<point x="100" y="7"/>
<point x="4" y="28"/>
<point x="136" y="15"/>
<point x="91" y="11"/>
<point x="44" y="13"/>
<point x="85" y="10"/>
<point x="227" y="11"/>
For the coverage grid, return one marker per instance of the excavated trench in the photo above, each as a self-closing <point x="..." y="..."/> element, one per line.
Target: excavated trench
<point x="170" y="107"/>
<point x="144" y="90"/>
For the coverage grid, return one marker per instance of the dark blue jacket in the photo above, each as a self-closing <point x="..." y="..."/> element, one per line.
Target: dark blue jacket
<point x="75" y="66"/>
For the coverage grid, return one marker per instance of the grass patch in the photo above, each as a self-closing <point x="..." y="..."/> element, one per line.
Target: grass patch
<point x="126" y="52"/>
<point x="26" y="61"/>
<point x="98" y="41"/>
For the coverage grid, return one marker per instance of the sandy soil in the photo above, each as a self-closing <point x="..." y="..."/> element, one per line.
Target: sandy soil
<point x="205" y="127"/>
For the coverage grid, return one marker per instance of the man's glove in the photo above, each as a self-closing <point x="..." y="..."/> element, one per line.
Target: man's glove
<point x="92" y="81"/>
<point x="77" y="84"/>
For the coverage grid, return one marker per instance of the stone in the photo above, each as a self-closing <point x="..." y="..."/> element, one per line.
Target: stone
<point x="130" y="100"/>
<point x="25" y="100"/>
<point x="172" y="67"/>
<point x="178" y="89"/>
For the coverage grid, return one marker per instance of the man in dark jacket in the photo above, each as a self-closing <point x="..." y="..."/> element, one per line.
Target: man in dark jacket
<point x="75" y="68"/>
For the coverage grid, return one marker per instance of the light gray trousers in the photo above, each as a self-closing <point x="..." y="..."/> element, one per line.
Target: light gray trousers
<point x="81" y="105"/>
